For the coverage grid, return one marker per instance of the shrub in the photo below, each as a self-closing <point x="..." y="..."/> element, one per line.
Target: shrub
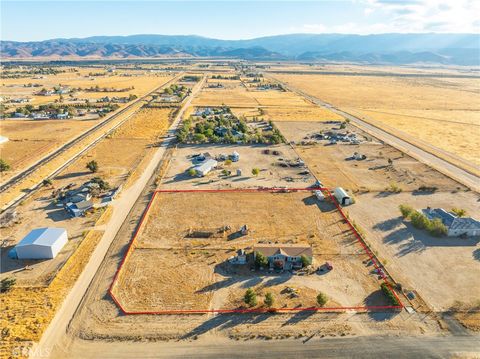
<point x="47" y="182"/>
<point x="228" y="162"/>
<point x="322" y="299"/>
<point x="4" y="166"/>
<point x="92" y="166"/>
<point x="6" y="284"/>
<point x="406" y="210"/>
<point x="261" y="260"/>
<point x="460" y="212"/>
<point x="255" y="171"/>
<point x="419" y="220"/>
<point x="389" y="293"/>
<point x="192" y="172"/>
<point x="250" y="298"/>
<point x="305" y="260"/>
<point x="436" y="228"/>
<point x="394" y="188"/>
<point x="269" y="300"/>
<point x="102" y="184"/>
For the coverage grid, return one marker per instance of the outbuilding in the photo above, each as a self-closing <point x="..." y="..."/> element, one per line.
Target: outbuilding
<point x="203" y="169"/>
<point x="41" y="243"/>
<point x="342" y="196"/>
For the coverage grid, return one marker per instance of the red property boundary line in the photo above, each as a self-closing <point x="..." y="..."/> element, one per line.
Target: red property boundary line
<point x="255" y="310"/>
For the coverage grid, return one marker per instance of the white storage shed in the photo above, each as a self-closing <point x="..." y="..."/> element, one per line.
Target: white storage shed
<point x="42" y="243"/>
<point x="342" y="196"/>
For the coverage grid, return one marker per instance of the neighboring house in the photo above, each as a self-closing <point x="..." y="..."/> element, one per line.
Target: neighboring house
<point x="342" y="196"/>
<point x="78" y="209"/>
<point x="40" y="243"/>
<point x="62" y="116"/>
<point x="456" y="226"/>
<point x="203" y="169"/>
<point x="40" y="116"/>
<point x="284" y="256"/>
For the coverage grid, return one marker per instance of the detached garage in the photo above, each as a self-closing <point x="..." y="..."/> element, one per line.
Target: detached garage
<point x="42" y="243"/>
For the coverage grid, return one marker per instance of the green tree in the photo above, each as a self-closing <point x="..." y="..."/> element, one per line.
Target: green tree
<point x="4" y="166"/>
<point x="92" y="166"/>
<point x="228" y="162"/>
<point x="436" y="228"/>
<point x="261" y="260"/>
<point x="250" y="298"/>
<point x="406" y="210"/>
<point x="102" y="184"/>
<point x="255" y="171"/>
<point x="322" y="299"/>
<point x="192" y="172"/>
<point x="47" y="182"/>
<point x="269" y="300"/>
<point x="305" y="260"/>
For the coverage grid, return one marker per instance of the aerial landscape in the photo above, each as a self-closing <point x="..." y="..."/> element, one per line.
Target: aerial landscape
<point x="240" y="179"/>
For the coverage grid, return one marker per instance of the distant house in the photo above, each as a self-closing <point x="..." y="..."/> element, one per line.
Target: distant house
<point x="284" y="256"/>
<point x="40" y="243"/>
<point x="203" y="169"/>
<point x="342" y="196"/>
<point x="19" y="115"/>
<point x="78" y="209"/>
<point x="62" y="116"/>
<point x="40" y="116"/>
<point x="456" y="226"/>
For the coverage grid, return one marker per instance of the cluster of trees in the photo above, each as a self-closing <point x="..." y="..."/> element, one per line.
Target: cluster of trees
<point x="250" y="298"/>
<point x="6" y="284"/>
<point x="104" y="89"/>
<point x="191" y="78"/>
<point x="223" y="77"/>
<point x="435" y="227"/>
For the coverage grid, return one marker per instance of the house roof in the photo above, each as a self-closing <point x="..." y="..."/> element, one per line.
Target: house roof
<point x="207" y="165"/>
<point x="291" y="250"/>
<point x="447" y="218"/>
<point x="42" y="237"/>
<point x="465" y="223"/>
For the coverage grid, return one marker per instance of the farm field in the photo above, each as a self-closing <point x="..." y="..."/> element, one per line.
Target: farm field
<point x="443" y="112"/>
<point x="270" y="104"/>
<point x="202" y="278"/>
<point x="30" y="140"/>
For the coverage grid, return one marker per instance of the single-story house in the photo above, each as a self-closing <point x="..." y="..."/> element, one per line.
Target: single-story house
<point x="204" y="168"/>
<point x="284" y="256"/>
<point x="342" y="196"/>
<point x="41" y="243"/>
<point x="456" y="226"/>
<point x="79" y="208"/>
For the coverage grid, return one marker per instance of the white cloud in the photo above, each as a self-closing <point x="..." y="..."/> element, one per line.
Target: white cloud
<point x="428" y="15"/>
<point x="408" y="16"/>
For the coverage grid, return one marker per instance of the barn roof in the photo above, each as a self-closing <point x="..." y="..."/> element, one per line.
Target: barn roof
<point x="42" y="237"/>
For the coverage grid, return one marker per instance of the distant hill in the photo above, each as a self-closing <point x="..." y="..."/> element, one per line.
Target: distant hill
<point x="453" y="49"/>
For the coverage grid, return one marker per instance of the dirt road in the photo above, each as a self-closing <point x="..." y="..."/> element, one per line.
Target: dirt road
<point x="357" y="347"/>
<point x="468" y="179"/>
<point x="121" y="209"/>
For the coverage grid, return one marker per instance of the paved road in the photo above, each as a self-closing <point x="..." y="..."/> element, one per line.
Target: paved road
<point x="353" y="347"/>
<point x="468" y="179"/>
<point x="121" y="207"/>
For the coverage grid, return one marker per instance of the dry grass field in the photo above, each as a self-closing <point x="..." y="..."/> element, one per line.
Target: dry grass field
<point x="268" y="104"/>
<point x="443" y="112"/>
<point x="168" y="270"/>
<point x="30" y="140"/>
<point x="124" y="150"/>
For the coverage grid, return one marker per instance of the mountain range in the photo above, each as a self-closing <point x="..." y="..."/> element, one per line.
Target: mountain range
<point x="448" y="49"/>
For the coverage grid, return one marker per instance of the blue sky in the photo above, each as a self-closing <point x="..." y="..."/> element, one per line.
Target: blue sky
<point x="228" y="19"/>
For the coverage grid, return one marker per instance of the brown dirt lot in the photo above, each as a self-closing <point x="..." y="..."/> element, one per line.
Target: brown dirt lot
<point x="203" y="280"/>
<point x="329" y="164"/>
